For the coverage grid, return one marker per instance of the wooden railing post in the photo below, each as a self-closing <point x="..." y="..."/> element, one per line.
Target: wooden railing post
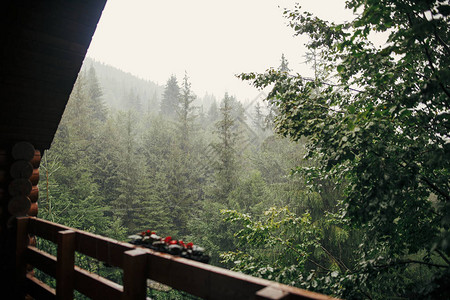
<point x="271" y="293"/>
<point x="65" y="261"/>
<point x="134" y="274"/>
<point x="138" y="264"/>
<point x="21" y="246"/>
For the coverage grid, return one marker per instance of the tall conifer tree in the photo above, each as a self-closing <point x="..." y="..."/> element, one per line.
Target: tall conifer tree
<point x="226" y="149"/>
<point x="170" y="98"/>
<point x="185" y="113"/>
<point x="94" y="92"/>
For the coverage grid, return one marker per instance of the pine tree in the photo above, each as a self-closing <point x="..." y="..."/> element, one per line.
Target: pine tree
<point x="153" y="102"/>
<point x="170" y="98"/>
<point x="131" y="188"/>
<point x="96" y="105"/>
<point x="158" y="141"/>
<point x="284" y="66"/>
<point x="73" y="198"/>
<point x="258" y="120"/>
<point x="105" y="155"/>
<point x="134" y="101"/>
<point x="273" y="110"/>
<point x="77" y="118"/>
<point x="269" y="119"/>
<point x="182" y="170"/>
<point x="185" y="113"/>
<point x="213" y="112"/>
<point x="226" y="149"/>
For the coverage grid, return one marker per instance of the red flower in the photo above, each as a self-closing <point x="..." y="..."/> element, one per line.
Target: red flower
<point x="167" y="239"/>
<point x="148" y="231"/>
<point x="189" y="245"/>
<point x="143" y="233"/>
<point x="173" y="242"/>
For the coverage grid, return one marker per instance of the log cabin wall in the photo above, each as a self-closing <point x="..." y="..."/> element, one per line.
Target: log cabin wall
<point x="43" y="47"/>
<point x="19" y="176"/>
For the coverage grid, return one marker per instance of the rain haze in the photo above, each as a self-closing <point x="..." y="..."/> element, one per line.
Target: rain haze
<point x="211" y="40"/>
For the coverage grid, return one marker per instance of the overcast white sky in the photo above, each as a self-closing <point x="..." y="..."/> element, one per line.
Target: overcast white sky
<point x="210" y="39"/>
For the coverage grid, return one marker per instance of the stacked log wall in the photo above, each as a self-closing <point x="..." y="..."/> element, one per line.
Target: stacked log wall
<point x="19" y="193"/>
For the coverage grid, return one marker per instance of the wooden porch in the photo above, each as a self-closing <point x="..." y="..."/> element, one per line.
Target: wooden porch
<point x="138" y="264"/>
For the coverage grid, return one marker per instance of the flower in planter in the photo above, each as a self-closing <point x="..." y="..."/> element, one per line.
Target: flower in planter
<point x="150" y="240"/>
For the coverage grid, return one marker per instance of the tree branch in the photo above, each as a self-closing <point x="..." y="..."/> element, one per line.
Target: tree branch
<point x="366" y="294"/>
<point x="410" y="261"/>
<point x="301" y="254"/>
<point x="334" y="258"/>
<point x="435" y="188"/>
<point x="430" y="63"/>
<point x="331" y="84"/>
<point x="446" y="47"/>
<point x="438" y="38"/>
<point x="423" y="178"/>
<point x="442" y="255"/>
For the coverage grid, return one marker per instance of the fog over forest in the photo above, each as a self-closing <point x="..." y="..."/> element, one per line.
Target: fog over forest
<point x="336" y="182"/>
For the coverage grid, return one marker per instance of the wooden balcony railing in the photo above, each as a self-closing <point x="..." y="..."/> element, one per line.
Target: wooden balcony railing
<point x="138" y="264"/>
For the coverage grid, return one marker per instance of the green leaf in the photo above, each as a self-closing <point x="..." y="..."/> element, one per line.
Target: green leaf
<point x="351" y="109"/>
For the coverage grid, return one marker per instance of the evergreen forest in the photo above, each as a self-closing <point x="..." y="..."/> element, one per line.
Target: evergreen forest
<point x="337" y="184"/>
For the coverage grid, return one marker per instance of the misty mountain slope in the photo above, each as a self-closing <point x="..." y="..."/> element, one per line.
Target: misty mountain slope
<point x="122" y="90"/>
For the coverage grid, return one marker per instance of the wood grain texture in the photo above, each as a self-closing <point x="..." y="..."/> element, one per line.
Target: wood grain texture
<point x="34" y="178"/>
<point x="34" y="209"/>
<point x="41" y="260"/>
<point x="271" y="293"/>
<point x="134" y="279"/>
<point x="95" y="286"/>
<point x="196" y="278"/>
<point x="36" y="161"/>
<point x="39" y="290"/>
<point x="21" y="263"/>
<point x="65" y="264"/>
<point x="34" y="194"/>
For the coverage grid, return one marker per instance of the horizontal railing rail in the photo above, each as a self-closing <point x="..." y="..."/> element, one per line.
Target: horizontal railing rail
<point x="138" y="264"/>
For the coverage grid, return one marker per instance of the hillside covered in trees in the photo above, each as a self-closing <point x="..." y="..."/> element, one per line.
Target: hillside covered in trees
<point x="337" y="183"/>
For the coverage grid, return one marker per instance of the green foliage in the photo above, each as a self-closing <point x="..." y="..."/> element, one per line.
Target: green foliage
<point x="226" y="148"/>
<point x="213" y="112"/>
<point x="139" y="171"/>
<point x="382" y="130"/>
<point x="118" y="172"/>
<point x="250" y="194"/>
<point x="170" y="98"/>
<point x="284" y="66"/>
<point x="277" y="245"/>
<point x="97" y="107"/>
<point x="186" y="116"/>
<point x="132" y="195"/>
<point x="208" y="230"/>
